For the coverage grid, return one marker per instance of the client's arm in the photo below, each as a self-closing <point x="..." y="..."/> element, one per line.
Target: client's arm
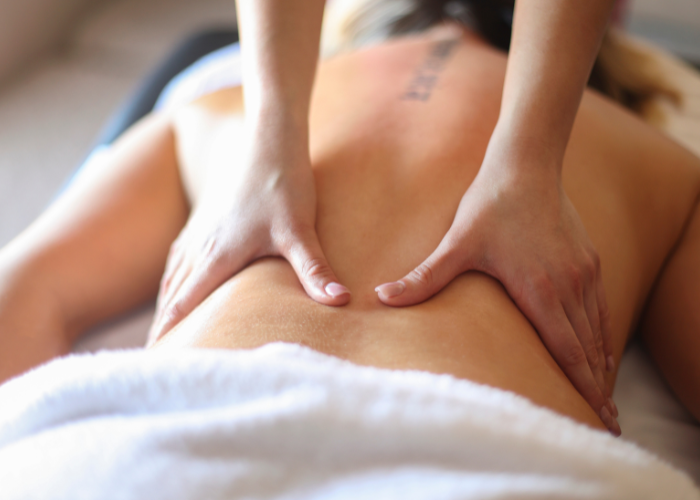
<point x="515" y="222"/>
<point x="99" y="250"/>
<point x="670" y="325"/>
<point x="32" y="329"/>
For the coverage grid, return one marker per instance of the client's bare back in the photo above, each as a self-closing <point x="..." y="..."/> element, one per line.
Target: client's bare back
<point x="398" y="133"/>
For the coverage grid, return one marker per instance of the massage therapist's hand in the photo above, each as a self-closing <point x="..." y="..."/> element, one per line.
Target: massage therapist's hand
<point x="518" y="225"/>
<point x="515" y="222"/>
<point x="270" y="210"/>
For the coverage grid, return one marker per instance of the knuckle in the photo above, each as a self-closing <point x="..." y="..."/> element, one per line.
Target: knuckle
<point x="592" y="355"/>
<point x="174" y="311"/>
<point x="541" y="286"/>
<point x="573" y="356"/>
<point x="211" y="247"/>
<point x="423" y="275"/>
<point x="214" y="247"/>
<point x="314" y="268"/>
<point x="599" y="341"/>
<point x="576" y="281"/>
<point x="165" y="282"/>
<point x="213" y="255"/>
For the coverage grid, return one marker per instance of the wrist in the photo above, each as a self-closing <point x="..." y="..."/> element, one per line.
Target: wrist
<point x="277" y="123"/>
<point x="272" y="108"/>
<point x="528" y="140"/>
<point x="278" y="139"/>
<point x="520" y="152"/>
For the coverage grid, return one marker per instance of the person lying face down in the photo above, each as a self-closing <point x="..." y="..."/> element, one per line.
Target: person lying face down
<point x="547" y="264"/>
<point x="390" y="171"/>
<point x="553" y="277"/>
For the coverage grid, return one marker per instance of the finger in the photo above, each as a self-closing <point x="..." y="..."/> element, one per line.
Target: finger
<point x="175" y="274"/>
<point x="571" y="357"/>
<point x="590" y="301"/>
<point x="313" y="270"/>
<point x="427" y="279"/>
<point x="179" y="277"/>
<point x="549" y="318"/>
<point x="181" y="274"/>
<point x="212" y="270"/>
<point x="578" y="319"/>
<point x="175" y="260"/>
<point x="176" y="279"/>
<point x="605" y="328"/>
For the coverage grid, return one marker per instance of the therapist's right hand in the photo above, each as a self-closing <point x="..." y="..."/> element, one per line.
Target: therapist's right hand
<point x="269" y="210"/>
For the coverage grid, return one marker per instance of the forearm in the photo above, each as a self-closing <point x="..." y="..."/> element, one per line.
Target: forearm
<point x="553" y="48"/>
<point x="98" y="251"/>
<point x="280" y="47"/>
<point x="58" y="278"/>
<point x="32" y="330"/>
<point x="272" y="211"/>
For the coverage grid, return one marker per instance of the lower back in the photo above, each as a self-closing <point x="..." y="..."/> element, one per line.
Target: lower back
<point x="391" y="168"/>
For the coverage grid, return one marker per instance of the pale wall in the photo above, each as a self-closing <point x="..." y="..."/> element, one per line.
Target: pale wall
<point x="30" y="28"/>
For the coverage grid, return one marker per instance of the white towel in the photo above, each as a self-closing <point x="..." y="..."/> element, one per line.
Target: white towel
<point x="284" y="422"/>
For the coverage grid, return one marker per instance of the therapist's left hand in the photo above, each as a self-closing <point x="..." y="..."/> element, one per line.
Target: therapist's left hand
<point x="519" y="226"/>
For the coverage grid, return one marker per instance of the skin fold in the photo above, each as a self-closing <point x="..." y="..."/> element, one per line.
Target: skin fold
<point x="390" y="174"/>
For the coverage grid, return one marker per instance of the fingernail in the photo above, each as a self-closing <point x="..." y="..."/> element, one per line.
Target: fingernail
<point x="610" y="422"/>
<point x="336" y="290"/>
<point x="610" y="363"/>
<point x="615" y="430"/>
<point x="612" y="404"/>
<point x="390" y="290"/>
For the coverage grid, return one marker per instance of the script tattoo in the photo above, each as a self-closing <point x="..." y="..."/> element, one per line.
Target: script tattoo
<point x="426" y="76"/>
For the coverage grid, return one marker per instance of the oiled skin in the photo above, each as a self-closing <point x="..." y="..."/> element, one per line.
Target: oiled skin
<point x="390" y="172"/>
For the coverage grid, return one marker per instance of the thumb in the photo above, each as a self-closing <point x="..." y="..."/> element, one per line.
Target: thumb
<point x="425" y="280"/>
<point x="315" y="274"/>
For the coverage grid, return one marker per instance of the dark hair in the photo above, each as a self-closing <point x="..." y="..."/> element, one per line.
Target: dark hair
<point x="492" y="19"/>
<point x="621" y="72"/>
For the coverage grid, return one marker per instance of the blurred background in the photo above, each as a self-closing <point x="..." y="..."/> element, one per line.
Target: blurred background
<point x="672" y="24"/>
<point x="65" y="65"/>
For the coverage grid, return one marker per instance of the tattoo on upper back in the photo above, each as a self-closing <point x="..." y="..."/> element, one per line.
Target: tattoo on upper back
<point x="424" y="79"/>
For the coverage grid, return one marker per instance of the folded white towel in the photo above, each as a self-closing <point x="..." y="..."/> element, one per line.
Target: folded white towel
<point x="285" y="422"/>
